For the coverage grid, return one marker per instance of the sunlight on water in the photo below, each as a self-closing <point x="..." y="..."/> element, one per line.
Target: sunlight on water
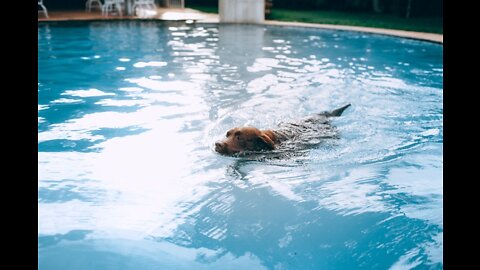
<point x="127" y="177"/>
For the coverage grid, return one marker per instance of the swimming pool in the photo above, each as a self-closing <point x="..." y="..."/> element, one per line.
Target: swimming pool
<point x="128" y="113"/>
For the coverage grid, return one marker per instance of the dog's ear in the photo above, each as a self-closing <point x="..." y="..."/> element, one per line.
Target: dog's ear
<point x="264" y="142"/>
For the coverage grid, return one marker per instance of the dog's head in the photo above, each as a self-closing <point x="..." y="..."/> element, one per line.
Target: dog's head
<point x="243" y="139"/>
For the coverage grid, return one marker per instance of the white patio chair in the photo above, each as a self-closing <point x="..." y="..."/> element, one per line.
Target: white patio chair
<point x="148" y="4"/>
<point x="44" y="9"/>
<point x="90" y="3"/>
<point x="110" y="5"/>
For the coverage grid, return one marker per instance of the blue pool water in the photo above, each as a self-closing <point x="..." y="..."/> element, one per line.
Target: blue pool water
<point x="127" y="177"/>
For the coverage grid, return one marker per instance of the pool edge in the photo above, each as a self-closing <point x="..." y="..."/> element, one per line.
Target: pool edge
<point x="424" y="36"/>
<point x="436" y="38"/>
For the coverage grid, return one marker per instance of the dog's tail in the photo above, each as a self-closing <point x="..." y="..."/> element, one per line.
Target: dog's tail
<point x="338" y="111"/>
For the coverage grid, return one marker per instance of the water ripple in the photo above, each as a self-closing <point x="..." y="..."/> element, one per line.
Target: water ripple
<point x="126" y="159"/>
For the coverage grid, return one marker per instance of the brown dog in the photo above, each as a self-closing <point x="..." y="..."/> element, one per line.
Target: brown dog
<point x="242" y="139"/>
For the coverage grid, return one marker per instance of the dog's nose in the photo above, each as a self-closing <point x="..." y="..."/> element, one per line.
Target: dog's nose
<point x="218" y="146"/>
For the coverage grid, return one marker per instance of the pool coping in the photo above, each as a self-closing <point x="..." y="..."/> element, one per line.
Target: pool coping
<point x="436" y="38"/>
<point x="212" y="18"/>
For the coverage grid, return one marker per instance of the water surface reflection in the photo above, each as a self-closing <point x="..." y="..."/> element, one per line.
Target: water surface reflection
<point x="128" y="113"/>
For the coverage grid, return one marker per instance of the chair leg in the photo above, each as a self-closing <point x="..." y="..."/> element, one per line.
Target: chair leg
<point x="119" y="8"/>
<point x="44" y="9"/>
<point x="98" y="3"/>
<point x="134" y="11"/>
<point x="110" y="8"/>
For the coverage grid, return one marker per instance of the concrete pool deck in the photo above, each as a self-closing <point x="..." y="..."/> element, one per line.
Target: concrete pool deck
<point x="180" y="14"/>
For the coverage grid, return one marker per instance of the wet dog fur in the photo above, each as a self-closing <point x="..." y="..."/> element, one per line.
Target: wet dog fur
<point x="242" y="139"/>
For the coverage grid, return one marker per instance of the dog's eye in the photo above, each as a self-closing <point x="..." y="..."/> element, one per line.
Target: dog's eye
<point x="228" y="133"/>
<point x="238" y="135"/>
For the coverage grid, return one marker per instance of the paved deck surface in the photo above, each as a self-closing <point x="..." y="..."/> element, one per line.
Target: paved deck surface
<point x="162" y="14"/>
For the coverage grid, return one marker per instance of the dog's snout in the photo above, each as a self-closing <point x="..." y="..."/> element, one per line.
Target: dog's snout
<point x="219" y="146"/>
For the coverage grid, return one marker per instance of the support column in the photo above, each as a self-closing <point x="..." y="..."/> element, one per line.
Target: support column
<point x="242" y="11"/>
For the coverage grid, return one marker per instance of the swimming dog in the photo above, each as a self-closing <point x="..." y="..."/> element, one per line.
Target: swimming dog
<point x="243" y="139"/>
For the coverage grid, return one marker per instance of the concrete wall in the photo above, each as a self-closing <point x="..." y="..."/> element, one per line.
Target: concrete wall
<point x="242" y="11"/>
